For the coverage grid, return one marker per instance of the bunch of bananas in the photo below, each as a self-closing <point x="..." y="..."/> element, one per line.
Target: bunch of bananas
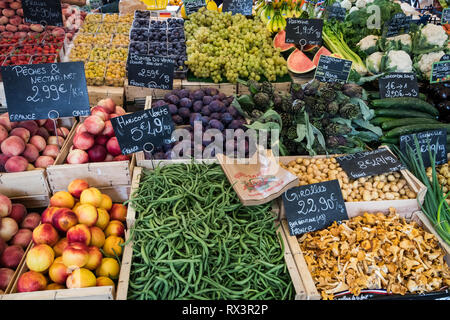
<point x="275" y="13"/>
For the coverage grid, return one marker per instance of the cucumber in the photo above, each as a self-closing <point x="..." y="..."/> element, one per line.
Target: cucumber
<point x="406" y="121"/>
<point x="397" y="113"/>
<point x="405" y="103"/>
<point x="389" y="140"/>
<point x="379" y="120"/>
<point x="413" y="128"/>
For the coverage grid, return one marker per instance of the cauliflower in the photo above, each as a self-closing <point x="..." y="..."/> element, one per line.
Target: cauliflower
<point x="400" y="42"/>
<point x="346" y="4"/>
<point x="369" y="2"/>
<point x="425" y="63"/>
<point x="397" y="61"/>
<point x="360" y="4"/>
<point x="368" y="44"/>
<point x="407" y="9"/>
<point x="373" y="62"/>
<point x="353" y="9"/>
<point x="430" y="38"/>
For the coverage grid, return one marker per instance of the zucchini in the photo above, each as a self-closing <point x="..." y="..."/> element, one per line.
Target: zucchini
<point x="397" y="113"/>
<point x="406" y="103"/>
<point x="413" y="128"/>
<point x="379" y="120"/>
<point x="389" y="140"/>
<point x="406" y="121"/>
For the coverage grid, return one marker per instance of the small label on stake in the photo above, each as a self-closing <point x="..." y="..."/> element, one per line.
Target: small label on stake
<point x="369" y="163"/>
<point x="335" y="11"/>
<point x="445" y="19"/>
<point x="143" y="130"/>
<point x="45" y="12"/>
<point x="435" y="140"/>
<point x="440" y="71"/>
<point x="395" y="85"/>
<point x="331" y="69"/>
<point x="399" y="24"/>
<point x="150" y="71"/>
<point x="314" y="206"/>
<point x="46" y="91"/>
<point x="191" y="6"/>
<point x="304" y="31"/>
<point x="243" y="7"/>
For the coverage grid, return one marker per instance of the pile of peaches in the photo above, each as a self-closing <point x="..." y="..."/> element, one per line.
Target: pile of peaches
<point x="78" y="242"/>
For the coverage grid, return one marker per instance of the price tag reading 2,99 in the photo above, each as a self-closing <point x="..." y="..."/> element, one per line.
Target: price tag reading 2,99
<point x="150" y="71"/>
<point x="46" y="91"/>
<point x="314" y="206"/>
<point x="143" y="130"/>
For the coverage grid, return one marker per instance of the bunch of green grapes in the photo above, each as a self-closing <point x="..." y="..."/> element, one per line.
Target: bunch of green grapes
<point x="224" y="46"/>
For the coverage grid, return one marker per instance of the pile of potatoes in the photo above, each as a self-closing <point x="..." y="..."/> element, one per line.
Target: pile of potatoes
<point x="388" y="186"/>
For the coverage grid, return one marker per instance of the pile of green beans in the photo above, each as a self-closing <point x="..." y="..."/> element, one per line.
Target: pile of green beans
<point x="193" y="239"/>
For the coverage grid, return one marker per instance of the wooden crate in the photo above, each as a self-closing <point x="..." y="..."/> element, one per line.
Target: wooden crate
<point x="97" y="174"/>
<point x="227" y="88"/>
<point x="311" y="290"/>
<point x="133" y="92"/>
<point x="278" y="86"/>
<point x="98" y="93"/>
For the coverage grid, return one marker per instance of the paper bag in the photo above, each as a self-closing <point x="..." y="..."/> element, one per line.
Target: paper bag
<point x="130" y="6"/>
<point x="259" y="180"/>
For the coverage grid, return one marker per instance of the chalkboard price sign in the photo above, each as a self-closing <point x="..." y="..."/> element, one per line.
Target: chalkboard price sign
<point x="143" y="130"/>
<point x="46" y="91"/>
<point x="335" y="11"/>
<point x="445" y="16"/>
<point x="314" y="206"/>
<point x="369" y="163"/>
<point x="304" y="31"/>
<point x="331" y="69"/>
<point x="435" y="140"/>
<point x="238" y="6"/>
<point x="440" y="71"/>
<point x="45" y="12"/>
<point x="150" y="71"/>
<point x="192" y="6"/>
<point x="399" y="24"/>
<point x="395" y="85"/>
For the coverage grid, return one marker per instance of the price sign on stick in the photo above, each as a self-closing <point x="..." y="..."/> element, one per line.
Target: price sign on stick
<point x="238" y="6"/>
<point x="304" y="31"/>
<point x="399" y="24"/>
<point x="192" y="6"/>
<point x="331" y="69"/>
<point x="335" y="11"/>
<point x="440" y="71"/>
<point x="143" y="130"/>
<point x="150" y="71"/>
<point x="45" y="12"/>
<point x="314" y="206"/>
<point x="445" y="19"/>
<point x="435" y="140"/>
<point x="46" y="91"/>
<point x="395" y="85"/>
<point x="369" y="163"/>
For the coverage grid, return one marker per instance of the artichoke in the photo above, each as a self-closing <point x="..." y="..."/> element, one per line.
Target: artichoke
<point x="352" y="90"/>
<point x="253" y="86"/>
<point x="350" y="111"/>
<point x="287" y="119"/>
<point x="267" y="88"/>
<point x="287" y="101"/>
<point x="297" y="106"/>
<point x="256" y="114"/>
<point x="312" y="87"/>
<point x="319" y="109"/>
<point x="327" y="93"/>
<point x="336" y="129"/>
<point x="277" y="101"/>
<point x="336" y="141"/>
<point x="333" y="108"/>
<point x="297" y="91"/>
<point x="317" y="123"/>
<point x="292" y="133"/>
<point x="262" y="101"/>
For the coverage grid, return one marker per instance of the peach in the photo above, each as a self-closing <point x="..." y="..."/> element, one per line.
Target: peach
<point x="12" y="146"/>
<point x="101" y="140"/>
<point x="100" y="112"/>
<point x="112" y="246"/>
<point x="6" y="276"/>
<point x="16" y="164"/>
<point x="38" y="142"/>
<point x="77" y="156"/>
<point x="108" y="104"/>
<point x="95" y="258"/>
<point x="31" y="126"/>
<point x="11" y="257"/>
<point x="64" y="219"/>
<point x="56" y="140"/>
<point x="103" y="218"/>
<point x="58" y="272"/>
<point x="31" y="167"/>
<point x="120" y="111"/>
<point x="22" y="133"/>
<point x="4" y="121"/>
<point x="40" y="258"/>
<point x="31" y="221"/>
<point x="62" y="199"/>
<point x="44" y="162"/>
<point x="83" y="141"/>
<point x="8" y="228"/>
<point x="97" y="237"/>
<point x="87" y="214"/>
<point x="31" y="153"/>
<point x="118" y="212"/>
<point x="94" y="124"/>
<point x="109" y="130"/>
<point x="64" y="132"/>
<point x="31" y="281"/>
<point x="22" y="238"/>
<point x="77" y="186"/>
<point x="43" y="133"/>
<point x="48" y="213"/>
<point x="109" y="157"/>
<point x="51" y="150"/>
<point x="5" y="206"/>
<point x="115" y="228"/>
<point x="121" y="157"/>
<point x="106" y="202"/>
<point x="45" y="234"/>
<point x="113" y="147"/>
<point x="91" y="196"/>
<point x="105" y="282"/>
<point x="75" y="255"/>
<point x="108" y="268"/>
<point x="75" y="207"/>
<point x="79" y="233"/>
<point x="80" y="129"/>
<point x="81" y="278"/>
<point x="18" y="212"/>
<point x="3" y="133"/>
<point x="55" y="286"/>
<point x="58" y="259"/>
<point x="60" y="246"/>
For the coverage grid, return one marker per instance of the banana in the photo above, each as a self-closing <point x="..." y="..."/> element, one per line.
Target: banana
<point x="267" y="13"/>
<point x="284" y="9"/>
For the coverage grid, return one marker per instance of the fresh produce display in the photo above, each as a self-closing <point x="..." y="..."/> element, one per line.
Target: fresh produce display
<point x="78" y="243"/>
<point x="211" y="36"/>
<point x="94" y="139"/>
<point x="392" y="254"/>
<point x="205" y="246"/>
<point x="29" y="145"/>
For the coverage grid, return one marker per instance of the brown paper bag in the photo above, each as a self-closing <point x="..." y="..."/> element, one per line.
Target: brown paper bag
<point x="259" y="180"/>
<point x="130" y="6"/>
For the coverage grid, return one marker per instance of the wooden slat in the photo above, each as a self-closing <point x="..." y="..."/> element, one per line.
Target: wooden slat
<point x="227" y="88"/>
<point x="98" y="93"/>
<point x="125" y="269"/>
<point x="131" y="213"/>
<point x="132" y="92"/>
